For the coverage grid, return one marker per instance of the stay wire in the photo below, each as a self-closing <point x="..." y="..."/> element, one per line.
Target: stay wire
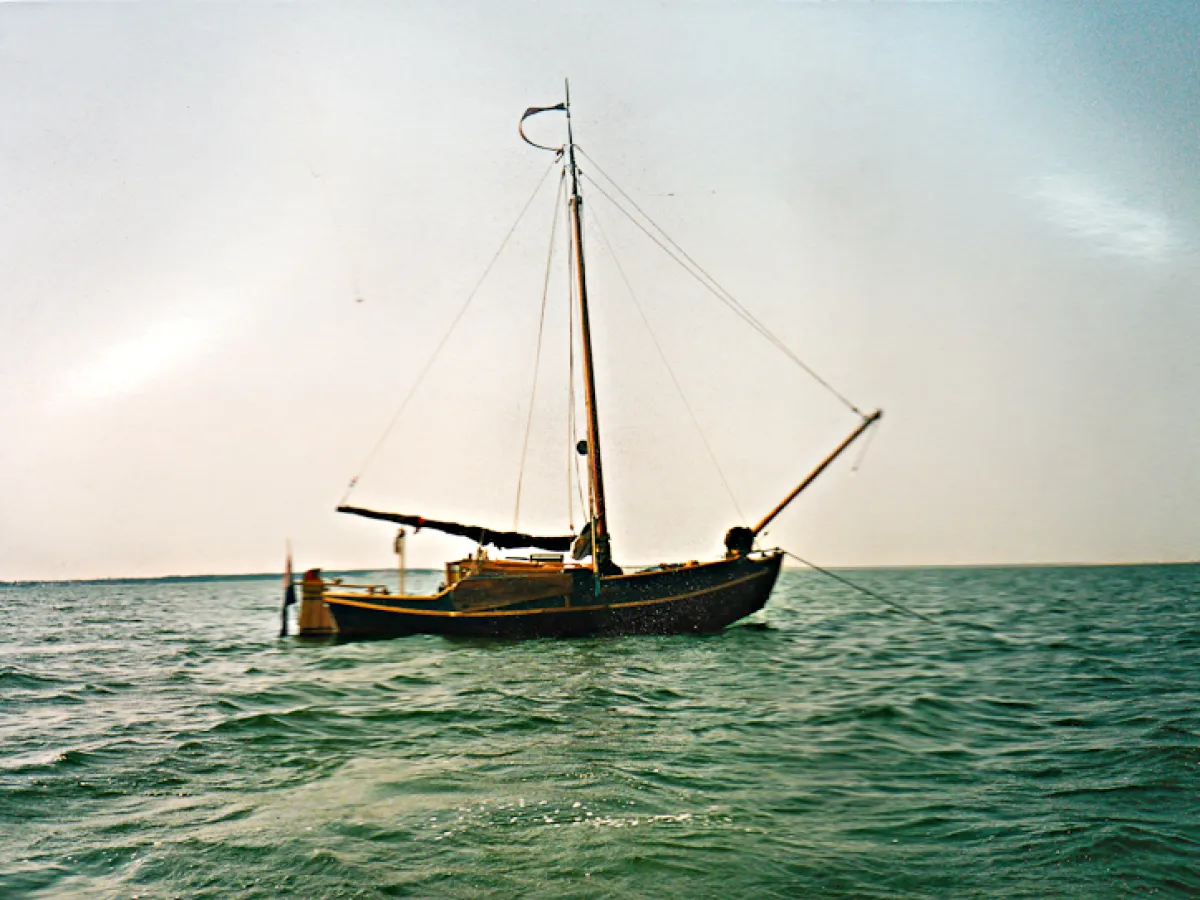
<point x="716" y="290"/>
<point x="700" y="273"/>
<point x="861" y="589"/>
<point x="663" y="356"/>
<point x="693" y="268"/>
<point x="446" y="337"/>
<point x="537" y="355"/>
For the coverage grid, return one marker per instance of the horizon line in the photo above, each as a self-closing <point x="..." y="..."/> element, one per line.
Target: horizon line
<point x="118" y="579"/>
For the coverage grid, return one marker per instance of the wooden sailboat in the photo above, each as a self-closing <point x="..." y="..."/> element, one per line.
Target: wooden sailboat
<point x="548" y="593"/>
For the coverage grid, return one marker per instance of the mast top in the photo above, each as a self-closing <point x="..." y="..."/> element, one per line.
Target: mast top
<point x="565" y="106"/>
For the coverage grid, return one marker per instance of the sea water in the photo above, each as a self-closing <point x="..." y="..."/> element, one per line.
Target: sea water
<point x="1040" y="737"/>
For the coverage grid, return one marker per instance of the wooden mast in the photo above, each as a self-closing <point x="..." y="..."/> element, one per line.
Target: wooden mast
<point x="601" y="552"/>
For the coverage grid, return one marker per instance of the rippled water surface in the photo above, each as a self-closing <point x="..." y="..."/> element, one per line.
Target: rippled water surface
<point x="1041" y="739"/>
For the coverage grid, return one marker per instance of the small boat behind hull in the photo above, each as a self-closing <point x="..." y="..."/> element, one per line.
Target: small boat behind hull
<point x="694" y="598"/>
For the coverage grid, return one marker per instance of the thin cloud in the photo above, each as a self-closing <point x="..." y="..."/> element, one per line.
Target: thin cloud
<point x="1088" y="212"/>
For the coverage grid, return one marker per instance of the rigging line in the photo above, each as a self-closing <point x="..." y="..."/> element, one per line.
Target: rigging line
<point x="717" y="291"/>
<point x="446" y="337"/>
<point x="862" y="590"/>
<point x="663" y="356"/>
<point x="713" y="284"/>
<point x="974" y="626"/>
<point x="537" y="355"/>
<point x="696" y="271"/>
<point x="699" y="273"/>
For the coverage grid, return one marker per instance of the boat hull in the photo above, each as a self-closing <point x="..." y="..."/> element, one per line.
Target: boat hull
<point x="686" y="599"/>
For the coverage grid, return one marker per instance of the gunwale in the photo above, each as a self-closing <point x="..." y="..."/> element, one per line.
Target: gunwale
<point x="342" y="599"/>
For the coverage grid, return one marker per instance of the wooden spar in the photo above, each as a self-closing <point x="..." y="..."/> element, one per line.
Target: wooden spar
<point x="867" y="422"/>
<point x="600" y="542"/>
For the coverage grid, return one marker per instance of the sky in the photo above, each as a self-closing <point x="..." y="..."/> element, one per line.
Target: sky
<point x="233" y="234"/>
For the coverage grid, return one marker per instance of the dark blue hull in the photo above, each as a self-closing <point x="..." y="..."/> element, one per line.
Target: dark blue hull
<point x="696" y="598"/>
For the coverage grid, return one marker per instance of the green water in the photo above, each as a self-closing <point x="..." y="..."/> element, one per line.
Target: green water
<point x="158" y="740"/>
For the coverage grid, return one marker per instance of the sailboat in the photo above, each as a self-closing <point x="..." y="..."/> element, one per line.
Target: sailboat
<point x="565" y="585"/>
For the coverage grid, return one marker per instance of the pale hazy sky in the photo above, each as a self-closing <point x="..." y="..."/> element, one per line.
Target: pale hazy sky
<point x="984" y="218"/>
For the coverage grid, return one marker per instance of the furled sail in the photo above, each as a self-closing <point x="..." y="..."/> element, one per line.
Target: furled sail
<point x="501" y="540"/>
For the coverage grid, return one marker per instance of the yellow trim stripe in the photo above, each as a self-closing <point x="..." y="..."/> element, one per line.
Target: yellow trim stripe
<point x="456" y="614"/>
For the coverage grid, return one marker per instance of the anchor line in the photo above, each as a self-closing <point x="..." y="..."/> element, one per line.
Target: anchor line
<point x="862" y="590"/>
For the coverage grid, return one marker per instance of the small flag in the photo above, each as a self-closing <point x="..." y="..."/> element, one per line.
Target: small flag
<point x="289" y="593"/>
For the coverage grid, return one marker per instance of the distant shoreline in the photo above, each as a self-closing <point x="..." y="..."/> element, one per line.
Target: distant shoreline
<point x="341" y="573"/>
